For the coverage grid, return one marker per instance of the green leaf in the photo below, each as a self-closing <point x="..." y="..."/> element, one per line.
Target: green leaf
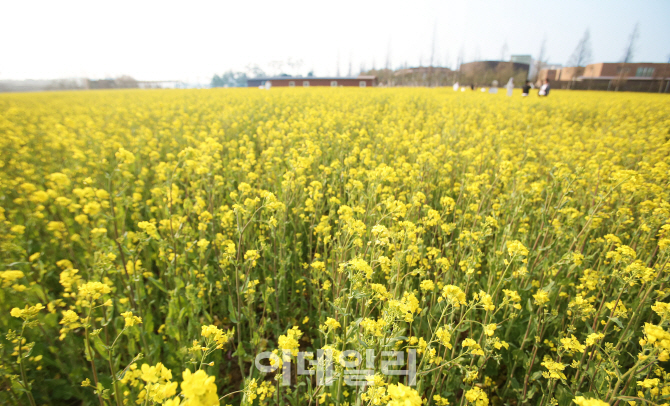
<point x="520" y="356"/>
<point x="515" y="384"/>
<point x="529" y="306"/>
<point x="563" y="396"/>
<point x="232" y="314"/>
<point x="617" y="321"/>
<point x="395" y="339"/>
<point x="148" y="321"/>
<point x="101" y="349"/>
<point x="158" y="284"/>
<point x="361" y="342"/>
<point x="239" y="351"/>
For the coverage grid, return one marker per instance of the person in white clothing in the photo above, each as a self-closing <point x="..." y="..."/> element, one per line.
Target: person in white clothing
<point x="544" y="89"/>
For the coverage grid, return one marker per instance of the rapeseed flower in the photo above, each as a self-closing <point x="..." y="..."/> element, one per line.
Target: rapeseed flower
<point x="401" y="395"/>
<point x="409" y="216"/>
<point x="198" y="389"/>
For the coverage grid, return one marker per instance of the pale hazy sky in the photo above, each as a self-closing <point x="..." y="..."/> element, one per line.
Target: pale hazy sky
<point x="193" y="39"/>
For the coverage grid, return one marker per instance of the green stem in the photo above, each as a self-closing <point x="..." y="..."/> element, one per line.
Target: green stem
<point x="90" y="355"/>
<point x="24" y="382"/>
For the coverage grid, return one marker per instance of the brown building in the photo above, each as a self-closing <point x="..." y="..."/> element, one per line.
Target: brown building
<point x="307" y="81"/>
<point x="484" y="72"/>
<point x="636" y="77"/>
<point x="551" y="74"/>
<point x="642" y="70"/>
<point x="560" y="74"/>
<point x="493" y="66"/>
<point x="569" y="73"/>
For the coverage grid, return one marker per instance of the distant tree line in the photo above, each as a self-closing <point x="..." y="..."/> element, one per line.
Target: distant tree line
<point x="29" y="85"/>
<point x="230" y="79"/>
<point x="233" y="78"/>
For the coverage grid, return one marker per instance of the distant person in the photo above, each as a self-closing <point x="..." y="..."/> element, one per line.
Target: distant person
<point x="456" y="87"/>
<point x="544" y="89"/>
<point x="494" y="87"/>
<point x="526" y="89"/>
<point x="510" y="86"/>
<point x="472" y="86"/>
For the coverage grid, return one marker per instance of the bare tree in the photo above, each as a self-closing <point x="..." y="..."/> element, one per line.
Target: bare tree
<point x="460" y="58"/>
<point x="503" y="51"/>
<point x="627" y="55"/>
<point x="540" y="62"/>
<point x="351" y="67"/>
<point x="388" y="55"/>
<point x="277" y="67"/>
<point x="338" y="64"/>
<point x="125" y="82"/>
<point x="254" y="71"/>
<point x="630" y="48"/>
<point x="432" y="46"/>
<point x="432" y="55"/>
<point x="459" y="62"/>
<point x="582" y="54"/>
<point x="294" y="65"/>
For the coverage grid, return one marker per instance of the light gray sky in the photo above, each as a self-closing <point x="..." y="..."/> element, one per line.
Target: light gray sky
<point x="192" y="40"/>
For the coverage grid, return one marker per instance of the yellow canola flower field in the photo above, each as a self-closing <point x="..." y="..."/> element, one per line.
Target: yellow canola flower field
<point x="512" y="250"/>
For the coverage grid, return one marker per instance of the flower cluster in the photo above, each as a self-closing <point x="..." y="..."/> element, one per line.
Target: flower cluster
<point x="510" y="251"/>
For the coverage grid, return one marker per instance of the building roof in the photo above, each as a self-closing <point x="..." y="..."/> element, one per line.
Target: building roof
<point x="626" y="78"/>
<point x="629" y="63"/>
